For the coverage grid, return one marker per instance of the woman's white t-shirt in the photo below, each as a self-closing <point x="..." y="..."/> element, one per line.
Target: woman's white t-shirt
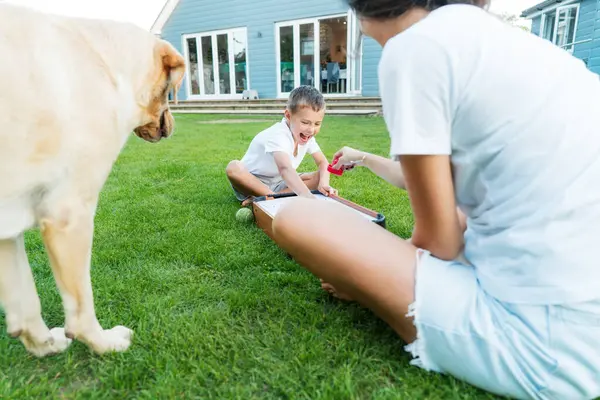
<point x="520" y="118"/>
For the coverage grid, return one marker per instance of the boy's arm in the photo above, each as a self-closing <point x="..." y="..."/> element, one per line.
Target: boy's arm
<point x="322" y="164"/>
<point x="289" y="174"/>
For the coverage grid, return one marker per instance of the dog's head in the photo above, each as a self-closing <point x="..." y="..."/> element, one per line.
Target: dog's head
<point x="168" y="72"/>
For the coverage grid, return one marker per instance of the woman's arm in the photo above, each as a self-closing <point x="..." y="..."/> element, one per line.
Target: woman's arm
<point x="431" y="191"/>
<point x="386" y="169"/>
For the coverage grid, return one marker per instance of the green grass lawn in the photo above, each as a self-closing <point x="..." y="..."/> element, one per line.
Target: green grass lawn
<point x="218" y="309"/>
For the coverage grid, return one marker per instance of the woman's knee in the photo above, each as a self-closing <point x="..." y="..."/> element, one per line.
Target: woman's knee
<point x="291" y="219"/>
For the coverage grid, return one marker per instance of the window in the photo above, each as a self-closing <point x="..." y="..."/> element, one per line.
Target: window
<point x="559" y="25"/>
<point x="217" y="63"/>
<point x="314" y="52"/>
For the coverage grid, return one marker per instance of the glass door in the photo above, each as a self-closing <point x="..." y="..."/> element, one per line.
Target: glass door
<point x="287" y="81"/>
<point x="217" y="64"/>
<point x="208" y="70"/>
<point x="296" y="54"/>
<point x="307" y="54"/>
<point x="315" y="52"/>
<point x="333" y="37"/>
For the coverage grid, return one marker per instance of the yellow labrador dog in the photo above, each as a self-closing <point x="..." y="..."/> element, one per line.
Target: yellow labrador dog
<point x="71" y="92"/>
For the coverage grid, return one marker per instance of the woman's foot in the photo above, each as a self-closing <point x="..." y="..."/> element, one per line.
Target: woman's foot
<point x="334" y="292"/>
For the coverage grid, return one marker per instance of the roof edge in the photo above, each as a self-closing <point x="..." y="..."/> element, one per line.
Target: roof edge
<point x="163" y="16"/>
<point x="539" y="7"/>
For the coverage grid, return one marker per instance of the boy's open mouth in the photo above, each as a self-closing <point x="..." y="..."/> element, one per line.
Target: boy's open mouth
<point x="304" y="137"/>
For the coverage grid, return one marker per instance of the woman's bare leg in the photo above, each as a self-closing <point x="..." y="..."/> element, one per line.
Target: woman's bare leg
<point x="354" y="255"/>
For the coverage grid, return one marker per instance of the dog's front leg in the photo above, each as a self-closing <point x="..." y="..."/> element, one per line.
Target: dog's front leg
<point x="68" y="237"/>
<point x="21" y="303"/>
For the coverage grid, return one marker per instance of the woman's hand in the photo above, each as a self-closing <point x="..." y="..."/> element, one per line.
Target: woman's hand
<point x="348" y="157"/>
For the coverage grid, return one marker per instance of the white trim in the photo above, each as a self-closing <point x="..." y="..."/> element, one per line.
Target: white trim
<point x="163" y="16"/>
<point x="277" y="60"/>
<point x="542" y="25"/>
<point x="354" y="62"/>
<point x="551" y="8"/>
<point x="215" y="62"/>
<point x="576" y="22"/>
<point x="248" y="84"/>
<point x="243" y="31"/>
<point x="317" y="54"/>
<point x="297" y="52"/>
<point x="231" y="60"/>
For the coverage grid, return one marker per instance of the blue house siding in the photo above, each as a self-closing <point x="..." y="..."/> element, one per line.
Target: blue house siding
<point x="587" y="29"/>
<point x="259" y="17"/>
<point x="536" y="25"/>
<point x="594" y="46"/>
<point x="371" y="55"/>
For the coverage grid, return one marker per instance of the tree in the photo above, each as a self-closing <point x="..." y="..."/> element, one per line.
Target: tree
<point x="513" y="20"/>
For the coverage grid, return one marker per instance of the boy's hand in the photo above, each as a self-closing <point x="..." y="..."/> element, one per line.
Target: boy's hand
<point x="327" y="190"/>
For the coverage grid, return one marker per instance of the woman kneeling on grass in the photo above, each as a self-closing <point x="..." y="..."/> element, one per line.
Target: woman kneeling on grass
<point x="507" y="298"/>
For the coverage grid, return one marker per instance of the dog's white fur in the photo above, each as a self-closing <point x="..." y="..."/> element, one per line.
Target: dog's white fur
<point x="71" y="92"/>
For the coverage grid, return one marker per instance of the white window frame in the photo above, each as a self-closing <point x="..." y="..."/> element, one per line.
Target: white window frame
<point x="353" y="88"/>
<point x="213" y="35"/>
<point x="556" y="11"/>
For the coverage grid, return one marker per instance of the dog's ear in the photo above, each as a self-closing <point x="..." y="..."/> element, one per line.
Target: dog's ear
<point x="173" y="65"/>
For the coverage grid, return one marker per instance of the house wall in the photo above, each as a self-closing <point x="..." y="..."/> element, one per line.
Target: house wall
<point x="259" y="17"/>
<point x="536" y="25"/>
<point x="588" y="27"/>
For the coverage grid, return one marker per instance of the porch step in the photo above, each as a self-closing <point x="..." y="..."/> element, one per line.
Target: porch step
<point x="329" y="100"/>
<point x="335" y="106"/>
<point x="273" y="106"/>
<point x="361" y="112"/>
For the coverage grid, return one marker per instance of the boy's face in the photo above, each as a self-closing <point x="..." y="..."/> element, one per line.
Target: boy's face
<point x="305" y="123"/>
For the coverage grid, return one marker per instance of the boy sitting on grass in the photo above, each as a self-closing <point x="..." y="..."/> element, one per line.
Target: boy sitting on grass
<point x="270" y="163"/>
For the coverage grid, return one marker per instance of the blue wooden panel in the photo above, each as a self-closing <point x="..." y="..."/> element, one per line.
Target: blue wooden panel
<point x="371" y="56"/>
<point x="536" y="24"/>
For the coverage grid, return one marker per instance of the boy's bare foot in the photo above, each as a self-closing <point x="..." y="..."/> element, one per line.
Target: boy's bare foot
<point x="248" y="201"/>
<point x="334" y="292"/>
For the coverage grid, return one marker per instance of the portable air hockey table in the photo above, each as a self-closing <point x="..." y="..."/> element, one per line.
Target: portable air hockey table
<point x="265" y="209"/>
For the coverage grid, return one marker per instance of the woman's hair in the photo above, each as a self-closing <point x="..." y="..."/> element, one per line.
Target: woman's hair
<point x="385" y="9"/>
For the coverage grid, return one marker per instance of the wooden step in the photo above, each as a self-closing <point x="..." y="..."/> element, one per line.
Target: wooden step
<point x="243" y="106"/>
<point x="360" y="112"/>
<point x="329" y="101"/>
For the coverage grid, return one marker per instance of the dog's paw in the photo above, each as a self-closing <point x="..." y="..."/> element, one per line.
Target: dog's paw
<point x="55" y="342"/>
<point x="117" y="339"/>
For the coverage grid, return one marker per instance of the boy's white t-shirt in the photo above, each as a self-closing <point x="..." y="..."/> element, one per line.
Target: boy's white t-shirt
<point x="520" y="118"/>
<point x="259" y="159"/>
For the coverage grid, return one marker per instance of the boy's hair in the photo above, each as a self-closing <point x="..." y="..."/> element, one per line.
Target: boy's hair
<point x="305" y="96"/>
